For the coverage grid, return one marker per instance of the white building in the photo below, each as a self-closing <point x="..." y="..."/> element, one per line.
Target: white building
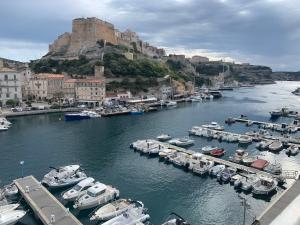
<point x="10" y="85"/>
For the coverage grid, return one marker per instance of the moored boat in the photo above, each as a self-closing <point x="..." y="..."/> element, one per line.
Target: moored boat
<point x="78" y="190"/>
<point x="264" y="185"/>
<point x="207" y="149"/>
<point x="275" y="146"/>
<point x="11" y="217"/>
<point x="163" y="137"/>
<point x="9" y="207"/>
<point x="245" y="139"/>
<point x="76" y="116"/>
<point x="215" y="170"/>
<point x="292" y="150"/>
<point x="175" y="219"/>
<point x="217" y="152"/>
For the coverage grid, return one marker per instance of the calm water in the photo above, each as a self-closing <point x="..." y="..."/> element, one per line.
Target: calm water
<point x="101" y="146"/>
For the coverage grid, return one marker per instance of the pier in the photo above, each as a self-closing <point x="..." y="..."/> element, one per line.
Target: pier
<point x="279" y="205"/>
<point x="38" y="112"/>
<point x="286" y="174"/>
<point x="44" y="204"/>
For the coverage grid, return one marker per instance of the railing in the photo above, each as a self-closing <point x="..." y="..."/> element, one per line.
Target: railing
<point x="290" y="174"/>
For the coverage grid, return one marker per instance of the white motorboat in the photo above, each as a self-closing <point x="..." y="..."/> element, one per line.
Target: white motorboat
<point x="5" y="122"/>
<point x="163" y="137"/>
<point x="10" y="190"/>
<point x="196" y="98"/>
<point x="9" y="207"/>
<point x="114" y="209"/>
<point x="292" y="150"/>
<point x="276" y="113"/>
<point x="244" y="139"/>
<point x="215" y="170"/>
<point x="165" y="152"/>
<point x="171" y="103"/>
<point x="276" y="146"/>
<point x="203" y="166"/>
<point x="248" y="182"/>
<point x="61" y="172"/>
<point x="264" y="185"/>
<point x="207" y="149"/>
<point x="11" y="217"/>
<point x="91" y="114"/>
<point x="175" y="219"/>
<point x="78" y="190"/>
<point x="3" y="127"/>
<point x="213" y="126"/>
<point x="96" y="195"/>
<point x="182" y="142"/>
<point x="226" y="174"/>
<point x="130" y="217"/>
<point x="263" y="145"/>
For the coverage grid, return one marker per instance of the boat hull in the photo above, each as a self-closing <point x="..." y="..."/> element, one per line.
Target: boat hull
<point x="69" y="117"/>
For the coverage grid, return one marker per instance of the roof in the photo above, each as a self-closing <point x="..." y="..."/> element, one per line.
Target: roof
<point x="89" y="81"/>
<point x="50" y="75"/>
<point x="259" y="164"/>
<point x="97" y="188"/>
<point x="5" y="69"/>
<point x="70" y="81"/>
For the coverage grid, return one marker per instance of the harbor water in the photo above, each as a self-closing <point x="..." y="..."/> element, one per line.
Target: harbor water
<point x="101" y="147"/>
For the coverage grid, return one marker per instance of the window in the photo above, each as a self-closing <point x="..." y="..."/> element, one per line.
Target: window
<point x="16" y="89"/>
<point x="5" y="77"/>
<point x="15" y="77"/>
<point x="7" y="95"/>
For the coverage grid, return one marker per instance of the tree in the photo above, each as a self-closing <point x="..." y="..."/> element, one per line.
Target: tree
<point x="12" y="102"/>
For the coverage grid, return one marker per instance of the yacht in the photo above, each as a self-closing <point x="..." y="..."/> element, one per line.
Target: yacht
<point x="9" y="207"/>
<point x="213" y="126"/>
<point x="215" y="170"/>
<point x="264" y="185"/>
<point x="248" y="182"/>
<point x="163" y="137"/>
<point x="78" y="190"/>
<point x="11" y="217"/>
<point x="65" y="181"/>
<point x="96" y="195"/>
<point x="292" y="150"/>
<point x="132" y="216"/>
<point x="114" y="209"/>
<point x="175" y="219"/>
<point x="275" y="146"/>
<point x="244" y="139"/>
<point x="61" y="172"/>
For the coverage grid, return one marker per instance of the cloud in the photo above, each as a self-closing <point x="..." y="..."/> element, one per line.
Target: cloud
<point x="257" y="31"/>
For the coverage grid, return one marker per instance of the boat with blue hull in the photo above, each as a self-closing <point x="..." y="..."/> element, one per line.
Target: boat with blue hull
<point x="76" y="116"/>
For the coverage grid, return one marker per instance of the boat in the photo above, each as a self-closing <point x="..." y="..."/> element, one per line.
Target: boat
<point x="263" y="145"/>
<point x="171" y="103"/>
<point x="78" y="190"/>
<point x="163" y="137"/>
<point x="217" y="152"/>
<point x="137" y="112"/>
<point x="182" y="142"/>
<point x="215" y="170"/>
<point x="259" y="164"/>
<point x="264" y="185"/>
<point x="248" y="182"/>
<point x="275" y="146"/>
<point x="96" y="195"/>
<point x="10" y="190"/>
<point x="226" y="174"/>
<point x="213" y="126"/>
<point x="207" y="149"/>
<point x="230" y="120"/>
<point x="196" y="98"/>
<point x="3" y="127"/>
<point x="276" y="113"/>
<point x="175" y="219"/>
<point x="114" y="209"/>
<point x="238" y="156"/>
<point x="215" y="94"/>
<point x="296" y="92"/>
<point x="274" y="168"/>
<point x="244" y="139"/>
<point x="165" y="152"/>
<point x="91" y="114"/>
<point x="203" y="166"/>
<point x="133" y="216"/>
<point x="11" y="217"/>
<point x="248" y="160"/>
<point x="5" y="122"/>
<point x="62" y="171"/>
<point x="292" y="150"/>
<point x="76" y="116"/>
<point x="9" y="207"/>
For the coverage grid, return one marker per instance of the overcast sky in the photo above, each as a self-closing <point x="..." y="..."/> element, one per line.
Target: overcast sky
<point x="265" y="32"/>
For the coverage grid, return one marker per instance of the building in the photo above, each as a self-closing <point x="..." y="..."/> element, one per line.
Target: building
<point x="25" y="76"/>
<point x="46" y="86"/>
<point x="69" y="89"/>
<point x="199" y="59"/>
<point x="180" y="58"/>
<point x="117" y="96"/>
<point x="10" y="85"/>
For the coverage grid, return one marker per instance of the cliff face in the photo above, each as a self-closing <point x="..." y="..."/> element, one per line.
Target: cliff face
<point x="87" y="39"/>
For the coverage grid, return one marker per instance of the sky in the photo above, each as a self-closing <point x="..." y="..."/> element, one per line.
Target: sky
<point x="264" y="32"/>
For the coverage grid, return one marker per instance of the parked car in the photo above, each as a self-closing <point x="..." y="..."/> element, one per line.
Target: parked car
<point x="16" y="109"/>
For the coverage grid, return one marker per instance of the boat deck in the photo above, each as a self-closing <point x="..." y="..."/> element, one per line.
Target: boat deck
<point x="43" y="203"/>
<point x="279" y="205"/>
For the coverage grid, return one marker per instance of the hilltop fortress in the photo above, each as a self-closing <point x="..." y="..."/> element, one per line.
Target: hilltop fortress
<point x="88" y="34"/>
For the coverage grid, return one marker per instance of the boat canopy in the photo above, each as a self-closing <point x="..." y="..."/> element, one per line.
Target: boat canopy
<point x="97" y="188"/>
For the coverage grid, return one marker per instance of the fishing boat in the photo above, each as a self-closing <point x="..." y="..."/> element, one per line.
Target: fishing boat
<point x="163" y="137"/>
<point x="217" y="152"/>
<point x="215" y="170"/>
<point x="76" y="116"/>
<point x="292" y="150"/>
<point x="275" y="146"/>
<point x="226" y="174"/>
<point x="175" y="219"/>
<point x="203" y="166"/>
<point x="9" y="207"/>
<point x="244" y="139"/>
<point x="264" y="185"/>
<point x="213" y="126"/>
<point x="78" y="190"/>
<point x="238" y="156"/>
<point x="11" y="217"/>
<point x="132" y="216"/>
<point x="207" y="149"/>
<point x="96" y="195"/>
<point x="114" y="209"/>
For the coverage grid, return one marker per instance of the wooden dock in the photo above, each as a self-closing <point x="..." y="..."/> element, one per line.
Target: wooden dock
<point x="44" y="204"/>
<point x="279" y="205"/>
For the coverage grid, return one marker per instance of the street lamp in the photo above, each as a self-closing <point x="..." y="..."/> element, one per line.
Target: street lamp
<point x="22" y="170"/>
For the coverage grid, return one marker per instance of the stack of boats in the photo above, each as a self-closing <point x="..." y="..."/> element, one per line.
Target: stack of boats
<point x="199" y="164"/>
<point x="4" y="124"/>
